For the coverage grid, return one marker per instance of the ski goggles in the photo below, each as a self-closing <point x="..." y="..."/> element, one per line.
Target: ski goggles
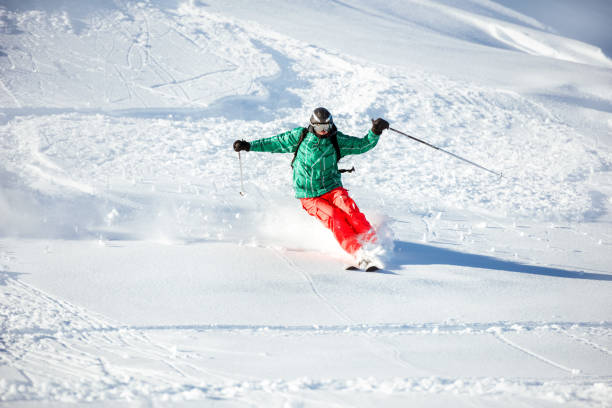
<point x="322" y="127"/>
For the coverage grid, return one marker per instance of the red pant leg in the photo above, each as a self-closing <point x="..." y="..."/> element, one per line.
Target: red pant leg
<point x="335" y="219"/>
<point x="357" y="220"/>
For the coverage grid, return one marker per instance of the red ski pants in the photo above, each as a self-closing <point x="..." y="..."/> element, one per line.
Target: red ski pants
<point x="338" y="212"/>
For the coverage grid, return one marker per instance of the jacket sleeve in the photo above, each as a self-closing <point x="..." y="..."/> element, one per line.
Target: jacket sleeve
<point x="355" y="145"/>
<point x="282" y="143"/>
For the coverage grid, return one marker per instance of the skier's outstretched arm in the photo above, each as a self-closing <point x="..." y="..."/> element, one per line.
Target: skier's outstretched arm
<point x="282" y="143"/>
<point x="356" y="145"/>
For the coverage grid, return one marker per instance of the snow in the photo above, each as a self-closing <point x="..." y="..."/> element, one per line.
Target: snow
<point x="132" y="272"/>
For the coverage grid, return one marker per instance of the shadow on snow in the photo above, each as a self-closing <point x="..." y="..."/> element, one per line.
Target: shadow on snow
<point x="408" y="253"/>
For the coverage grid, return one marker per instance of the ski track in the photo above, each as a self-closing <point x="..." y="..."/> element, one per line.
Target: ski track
<point x="525" y="350"/>
<point x="313" y="287"/>
<point x="587" y="342"/>
<point x="396" y="356"/>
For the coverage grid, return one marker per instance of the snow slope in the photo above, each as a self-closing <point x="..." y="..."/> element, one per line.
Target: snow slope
<point x="132" y="272"/>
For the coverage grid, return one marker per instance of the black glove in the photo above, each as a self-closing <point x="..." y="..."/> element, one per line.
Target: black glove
<point x="242" y="145"/>
<point x="379" y="125"/>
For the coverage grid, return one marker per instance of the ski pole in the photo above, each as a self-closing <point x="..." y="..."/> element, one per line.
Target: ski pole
<point x="447" y="152"/>
<point x="242" y="193"/>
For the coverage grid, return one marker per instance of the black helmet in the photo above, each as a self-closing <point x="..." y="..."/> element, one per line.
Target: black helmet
<point x="321" y="120"/>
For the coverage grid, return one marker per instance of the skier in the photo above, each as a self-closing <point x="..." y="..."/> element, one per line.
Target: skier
<point x="317" y="181"/>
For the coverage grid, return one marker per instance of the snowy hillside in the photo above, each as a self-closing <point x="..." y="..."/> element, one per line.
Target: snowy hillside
<point x="132" y="271"/>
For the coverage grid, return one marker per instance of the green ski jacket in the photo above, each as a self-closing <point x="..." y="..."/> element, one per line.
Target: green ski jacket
<point x="315" y="170"/>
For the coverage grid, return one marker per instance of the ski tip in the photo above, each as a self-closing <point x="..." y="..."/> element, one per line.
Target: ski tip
<point x="370" y="268"/>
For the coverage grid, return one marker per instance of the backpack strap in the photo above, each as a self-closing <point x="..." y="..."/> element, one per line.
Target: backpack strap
<point x="302" y="137"/>
<point x="334" y="140"/>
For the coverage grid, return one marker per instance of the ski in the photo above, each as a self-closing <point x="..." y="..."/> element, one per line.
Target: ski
<point x="371" y="268"/>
